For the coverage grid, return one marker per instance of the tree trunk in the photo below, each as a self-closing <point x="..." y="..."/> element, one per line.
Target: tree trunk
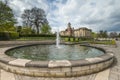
<point x="37" y="26"/>
<point x="37" y="29"/>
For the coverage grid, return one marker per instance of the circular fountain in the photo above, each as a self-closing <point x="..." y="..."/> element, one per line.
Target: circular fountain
<point x="47" y="52"/>
<point x="50" y="60"/>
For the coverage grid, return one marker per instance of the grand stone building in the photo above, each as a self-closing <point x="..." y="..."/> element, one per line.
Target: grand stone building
<point x="80" y="32"/>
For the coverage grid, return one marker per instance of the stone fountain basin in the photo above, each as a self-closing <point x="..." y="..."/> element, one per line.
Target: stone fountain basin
<point x="56" y="68"/>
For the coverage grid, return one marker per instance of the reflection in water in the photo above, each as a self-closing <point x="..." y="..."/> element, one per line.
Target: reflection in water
<point x="50" y="52"/>
<point x="86" y="50"/>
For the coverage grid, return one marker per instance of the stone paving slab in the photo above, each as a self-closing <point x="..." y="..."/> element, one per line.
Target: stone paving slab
<point x="94" y="59"/>
<point x="59" y="63"/>
<point x="3" y="55"/>
<point x="103" y="75"/>
<point x="37" y="64"/>
<point x="2" y="50"/>
<point x="6" y="59"/>
<point x="6" y="75"/>
<point x="19" y="62"/>
<point x="78" y="63"/>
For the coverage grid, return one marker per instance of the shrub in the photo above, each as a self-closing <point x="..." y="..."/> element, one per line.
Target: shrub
<point x="4" y="35"/>
<point x="38" y="35"/>
<point x="71" y="39"/>
<point x="76" y="39"/>
<point x="113" y="42"/>
<point x="8" y="35"/>
<point x="83" y="38"/>
<point x="13" y="35"/>
<point x="66" y="39"/>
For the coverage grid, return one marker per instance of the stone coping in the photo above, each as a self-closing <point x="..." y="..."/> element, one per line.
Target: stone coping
<point x="25" y="63"/>
<point x="14" y="61"/>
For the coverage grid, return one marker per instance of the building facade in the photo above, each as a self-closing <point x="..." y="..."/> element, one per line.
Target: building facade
<point x="81" y="32"/>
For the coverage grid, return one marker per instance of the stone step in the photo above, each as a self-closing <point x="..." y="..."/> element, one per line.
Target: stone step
<point x="104" y="75"/>
<point x="6" y="75"/>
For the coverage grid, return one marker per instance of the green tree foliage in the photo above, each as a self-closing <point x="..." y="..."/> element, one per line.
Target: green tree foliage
<point x="113" y="35"/>
<point x="34" y="17"/>
<point x="119" y="35"/>
<point x="46" y="29"/>
<point x="105" y="34"/>
<point x="94" y="35"/>
<point x="19" y="29"/>
<point x="102" y="34"/>
<point x="26" y="31"/>
<point x="7" y="19"/>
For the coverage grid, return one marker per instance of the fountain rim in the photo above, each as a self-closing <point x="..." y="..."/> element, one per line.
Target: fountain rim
<point x="69" y="68"/>
<point x="73" y="63"/>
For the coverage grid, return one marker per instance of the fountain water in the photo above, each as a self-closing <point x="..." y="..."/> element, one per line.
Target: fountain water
<point x="57" y="39"/>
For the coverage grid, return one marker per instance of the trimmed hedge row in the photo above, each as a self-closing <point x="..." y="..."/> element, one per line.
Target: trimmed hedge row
<point x="38" y="35"/>
<point x="73" y="39"/>
<point x="8" y="35"/>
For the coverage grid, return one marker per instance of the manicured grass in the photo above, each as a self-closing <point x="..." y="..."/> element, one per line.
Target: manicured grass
<point x="108" y="42"/>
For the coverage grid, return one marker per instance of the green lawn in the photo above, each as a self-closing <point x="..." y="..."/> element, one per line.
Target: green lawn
<point x="35" y="38"/>
<point x="109" y="42"/>
<point x="106" y="42"/>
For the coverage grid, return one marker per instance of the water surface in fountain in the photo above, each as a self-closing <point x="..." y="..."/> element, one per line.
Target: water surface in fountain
<point x="51" y="52"/>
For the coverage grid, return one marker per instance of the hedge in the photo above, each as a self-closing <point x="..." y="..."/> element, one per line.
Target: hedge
<point x="38" y="35"/>
<point x="76" y="39"/>
<point x="8" y="35"/>
<point x="67" y="39"/>
<point x="72" y="39"/>
<point x="14" y="35"/>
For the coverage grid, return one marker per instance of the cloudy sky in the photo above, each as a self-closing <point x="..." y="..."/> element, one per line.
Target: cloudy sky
<point x="94" y="14"/>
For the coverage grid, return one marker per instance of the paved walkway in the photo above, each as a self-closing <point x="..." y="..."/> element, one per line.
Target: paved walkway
<point x="112" y="73"/>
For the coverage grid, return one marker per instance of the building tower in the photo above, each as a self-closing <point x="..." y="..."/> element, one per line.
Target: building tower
<point x="69" y="30"/>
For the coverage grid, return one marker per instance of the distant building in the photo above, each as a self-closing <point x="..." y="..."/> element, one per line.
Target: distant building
<point x="80" y="32"/>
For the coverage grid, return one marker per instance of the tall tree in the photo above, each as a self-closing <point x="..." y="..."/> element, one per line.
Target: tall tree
<point x="26" y="31"/>
<point x="19" y="29"/>
<point x="119" y="35"/>
<point x="102" y="34"/>
<point x="105" y="34"/>
<point x="7" y="19"/>
<point x="34" y="17"/>
<point x="94" y="35"/>
<point x="46" y="29"/>
<point x="113" y="34"/>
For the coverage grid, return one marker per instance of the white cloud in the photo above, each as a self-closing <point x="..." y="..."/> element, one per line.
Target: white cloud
<point x="94" y="14"/>
<point x="19" y="6"/>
